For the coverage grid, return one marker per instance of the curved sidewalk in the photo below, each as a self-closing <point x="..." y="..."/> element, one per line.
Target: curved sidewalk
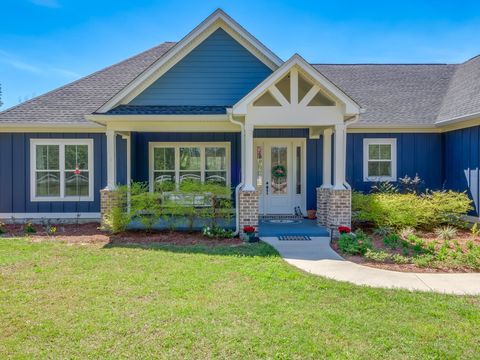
<point x="317" y="257"/>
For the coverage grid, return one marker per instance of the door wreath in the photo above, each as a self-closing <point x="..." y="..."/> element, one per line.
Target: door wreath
<point x="279" y="172"/>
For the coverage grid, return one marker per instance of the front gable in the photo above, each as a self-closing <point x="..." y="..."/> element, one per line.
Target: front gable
<point x="219" y="71"/>
<point x="222" y="62"/>
<point x="296" y="94"/>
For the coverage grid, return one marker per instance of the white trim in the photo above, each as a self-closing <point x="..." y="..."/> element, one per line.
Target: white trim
<point x="111" y="159"/>
<point x="327" y="158"/>
<point x="351" y="107"/>
<point x="61" y="143"/>
<point x="339" y="157"/>
<point x="457" y="119"/>
<point x="177" y="146"/>
<point x="218" y="19"/>
<point x="109" y="119"/>
<point x="49" y="128"/>
<point x="376" y="141"/>
<point x="70" y="215"/>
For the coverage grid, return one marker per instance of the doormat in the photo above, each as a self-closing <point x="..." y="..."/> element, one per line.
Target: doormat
<point x="294" y="238"/>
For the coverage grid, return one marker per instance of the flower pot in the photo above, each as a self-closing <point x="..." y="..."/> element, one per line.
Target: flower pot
<point x="249" y="237"/>
<point x="312" y="214"/>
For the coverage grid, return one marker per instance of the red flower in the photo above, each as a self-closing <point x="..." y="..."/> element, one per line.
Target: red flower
<point x="248" y="229"/>
<point x="344" y="230"/>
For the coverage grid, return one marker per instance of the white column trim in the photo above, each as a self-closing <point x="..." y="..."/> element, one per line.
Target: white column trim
<point x="339" y="157"/>
<point x="294" y="86"/>
<point x="111" y="159"/>
<point x="327" y="158"/>
<point x="279" y="96"/>
<point x="309" y="95"/>
<point x="248" y="186"/>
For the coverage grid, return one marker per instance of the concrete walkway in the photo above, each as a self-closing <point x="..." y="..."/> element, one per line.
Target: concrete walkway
<point x="317" y="257"/>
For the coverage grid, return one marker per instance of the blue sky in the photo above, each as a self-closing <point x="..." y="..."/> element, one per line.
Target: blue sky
<point x="47" y="43"/>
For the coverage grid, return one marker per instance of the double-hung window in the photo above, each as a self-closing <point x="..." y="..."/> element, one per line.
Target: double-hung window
<point x="380" y="160"/>
<point x="61" y="170"/>
<point x="204" y="162"/>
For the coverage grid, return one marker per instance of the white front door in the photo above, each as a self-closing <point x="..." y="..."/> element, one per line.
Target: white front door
<point x="280" y="175"/>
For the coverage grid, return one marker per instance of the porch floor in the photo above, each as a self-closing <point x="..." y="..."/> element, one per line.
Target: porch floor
<point x="286" y="227"/>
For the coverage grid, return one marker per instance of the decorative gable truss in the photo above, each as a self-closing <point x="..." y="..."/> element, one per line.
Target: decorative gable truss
<point x="296" y="95"/>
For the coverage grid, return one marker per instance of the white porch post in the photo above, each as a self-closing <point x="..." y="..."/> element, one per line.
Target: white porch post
<point x="111" y="159"/>
<point x="248" y="186"/>
<point x="339" y="157"/>
<point x="327" y="158"/>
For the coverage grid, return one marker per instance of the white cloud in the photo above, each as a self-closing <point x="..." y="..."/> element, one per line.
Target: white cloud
<point x="13" y="61"/>
<point x="46" y="3"/>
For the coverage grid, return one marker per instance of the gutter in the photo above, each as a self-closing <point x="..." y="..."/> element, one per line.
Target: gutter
<point x="457" y="119"/>
<point x="242" y="172"/>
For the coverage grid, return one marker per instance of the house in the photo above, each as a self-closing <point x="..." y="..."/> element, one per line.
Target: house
<point x="285" y="134"/>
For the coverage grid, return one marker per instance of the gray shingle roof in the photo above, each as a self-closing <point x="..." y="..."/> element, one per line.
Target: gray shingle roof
<point x="167" y="110"/>
<point x="463" y="95"/>
<point x="391" y="94"/>
<point x="69" y="104"/>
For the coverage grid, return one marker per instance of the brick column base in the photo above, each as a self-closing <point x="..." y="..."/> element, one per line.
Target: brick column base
<point x="334" y="208"/>
<point x="108" y="200"/>
<point x="248" y="209"/>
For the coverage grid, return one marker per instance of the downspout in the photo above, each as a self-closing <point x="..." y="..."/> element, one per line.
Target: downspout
<point x="349" y="121"/>
<point x="242" y="170"/>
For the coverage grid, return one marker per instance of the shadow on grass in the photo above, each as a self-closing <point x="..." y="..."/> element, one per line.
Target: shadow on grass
<point x="254" y="249"/>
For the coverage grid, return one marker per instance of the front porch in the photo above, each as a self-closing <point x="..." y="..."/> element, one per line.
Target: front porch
<point x="281" y="148"/>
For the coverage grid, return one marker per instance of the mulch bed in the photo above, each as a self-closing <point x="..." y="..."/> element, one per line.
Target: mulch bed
<point x="462" y="237"/>
<point x="90" y="233"/>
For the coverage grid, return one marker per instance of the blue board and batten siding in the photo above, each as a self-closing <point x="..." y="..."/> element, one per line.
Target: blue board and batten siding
<point x="417" y="153"/>
<point x="15" y="174"/>
<point x="219" y="71"/>
<point x="462" y="162"/>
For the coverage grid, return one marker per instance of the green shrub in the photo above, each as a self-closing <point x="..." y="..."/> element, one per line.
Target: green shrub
<point x="399" y="259"/>
<point x="423" y="260"/>
<point x="392" y="241"/>
<point x="117" y="220"/>
<point x="446" y="232"/>
<point x="29" y="228"/>
<point x="405" y="233"/>
<point x="355" y="243"/>
<point x="377" y="255"/>
<point x="426" y="211"/>
<point x="383" y="231"/>
<point x="2" y="228"/>
<point x="217" y="232"/>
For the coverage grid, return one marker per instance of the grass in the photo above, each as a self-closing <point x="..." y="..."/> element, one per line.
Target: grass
<point x="86" y="301"/>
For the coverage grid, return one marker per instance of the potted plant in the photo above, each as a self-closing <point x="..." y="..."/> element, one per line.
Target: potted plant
<point x="249" y="233"/>
<point x="312" y="214"/>
<point x="344" y="230"/>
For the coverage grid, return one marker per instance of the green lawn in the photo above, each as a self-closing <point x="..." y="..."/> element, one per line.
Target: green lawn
<point x="79" y="301"/>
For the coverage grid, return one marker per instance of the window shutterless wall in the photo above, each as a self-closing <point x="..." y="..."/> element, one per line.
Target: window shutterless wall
<point x="15" y="174"/>
<point x="141" y="141"/>
<point x="417" y="153"/>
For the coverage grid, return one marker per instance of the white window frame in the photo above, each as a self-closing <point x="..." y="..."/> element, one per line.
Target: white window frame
<point x="177" y="146"/>
<point x="373" y="141"/>
<point x="61" y="143"/>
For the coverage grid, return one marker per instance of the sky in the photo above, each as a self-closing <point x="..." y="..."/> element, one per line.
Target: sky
<point x="45" y="44"/>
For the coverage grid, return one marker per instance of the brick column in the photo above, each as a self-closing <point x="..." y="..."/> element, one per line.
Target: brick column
<point x="248" y="209"/>
<point x="323" y="195"/>
<point x="108" y="200"/>
<point x="334" y="208"/>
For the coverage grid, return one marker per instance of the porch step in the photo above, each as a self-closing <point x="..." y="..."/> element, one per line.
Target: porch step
<point x="280" y="217"/>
